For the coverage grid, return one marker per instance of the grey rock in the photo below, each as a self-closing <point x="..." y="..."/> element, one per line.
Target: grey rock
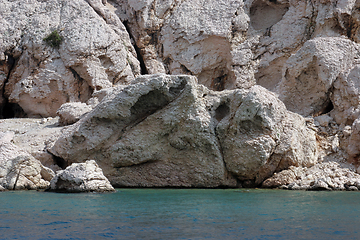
<point x="81" y="177"/>
<point x="70" y="113"/>
<point x="19" y="170"/>
<point x="93" y="54"/>
<point x="33" y="136"/>
<point x="321" y="176"/>
<point x="169" y="131"/>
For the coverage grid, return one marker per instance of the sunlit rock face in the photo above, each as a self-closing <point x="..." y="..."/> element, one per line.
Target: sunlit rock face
<point x="170" y="131"/>
<point x="94" y="53"/>
<point x="268" y="85"/>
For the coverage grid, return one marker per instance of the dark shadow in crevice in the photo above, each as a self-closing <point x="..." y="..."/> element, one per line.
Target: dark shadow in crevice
<point x="12" y="110"/>
<point x="62" y="163"/>
<point x="218" y="84"/>
<point x="8" y="109"/>
<point x="222" y="111"/>
<point x="264" y="14"/>
<point x="326" y="108"/>
<point x="85" y="90"/>
<point x="137" y="49"/>
<point x="148" y="104"/>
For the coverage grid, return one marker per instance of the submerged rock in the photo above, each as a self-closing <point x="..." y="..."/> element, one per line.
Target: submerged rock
<point x="81" y="177"/>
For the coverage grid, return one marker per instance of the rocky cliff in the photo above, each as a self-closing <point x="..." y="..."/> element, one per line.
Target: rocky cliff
<point x="178" y="93"/>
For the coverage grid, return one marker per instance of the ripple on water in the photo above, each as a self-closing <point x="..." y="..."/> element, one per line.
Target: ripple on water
<point x="180" y="214"/>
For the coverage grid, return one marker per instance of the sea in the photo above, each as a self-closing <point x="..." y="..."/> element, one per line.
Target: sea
<point x="181" y="214"/>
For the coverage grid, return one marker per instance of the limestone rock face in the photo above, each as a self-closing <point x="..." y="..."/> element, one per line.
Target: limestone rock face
<point x="169" y="131"/>
<point x="353" y="148"/>
<point x="346" y="96"/>
<point x="232" y="43"/>
<point x="322" y="176"/>
<point x="70" y="113"/>
<point x="18" y="169"/>
<point x="261" y="136"/>
<point x="201" y="38"/>
<point x="81" y="177"/>
<point x="95" y="53"/>
<point x="310" y="73"/>
<point x="34" y="136"/>
<point x="153" y="133"/>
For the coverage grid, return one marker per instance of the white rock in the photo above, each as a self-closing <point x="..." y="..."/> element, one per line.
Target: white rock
<point x="309" y="74"/>
<point x="94" y="54"/>
<point x="324" y="120"/>
<point x="19" y="170"/>
<point x="327" y="176"/>
<point x="70" y="113"/>
<point x="32" y="136"/>
<point x="81" y="177"/>
<point x="169" y="131"/>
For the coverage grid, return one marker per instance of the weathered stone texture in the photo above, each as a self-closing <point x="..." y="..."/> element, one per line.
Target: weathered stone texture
<point x="324" y="176"/>
<point x="93" y="54"/>
<point x="18" y="169"/>
<point x="169" y="131"/>
<point x="81" y="177"/>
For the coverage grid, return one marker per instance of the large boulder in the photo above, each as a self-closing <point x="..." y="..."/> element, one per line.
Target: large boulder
<point x="169" y="131"/>
<point x="154" y="133"/>
<point x="18" y="169"/>
<point x="93" y="51"/>
<point x="81" y="177"/>
<point x="260" y="136"/>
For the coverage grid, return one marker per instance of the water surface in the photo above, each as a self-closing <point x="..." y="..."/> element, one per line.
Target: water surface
<point x="180" y="214"/>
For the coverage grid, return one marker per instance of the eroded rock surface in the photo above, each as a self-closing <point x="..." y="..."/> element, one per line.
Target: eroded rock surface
<point x="310" y="73"/>
<point x="18" y="169"/>
<point x="34" y="136"/>
<point x="95" y="53"/>
<point x="70" y="113"/>
<point x="323" y="176"/>
<point x="169" y="131"/>
<point x="81" y="177"/>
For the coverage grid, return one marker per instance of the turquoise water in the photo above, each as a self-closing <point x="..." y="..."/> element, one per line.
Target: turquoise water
<point x="181" y="214"/>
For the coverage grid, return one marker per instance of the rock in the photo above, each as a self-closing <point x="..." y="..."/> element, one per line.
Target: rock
<point x="34" y="136"/>
<point x="232" y="44"/>
<point x="319" y="184"/>
<point x="19" y="170"/>
<point x="81" y="177"/>
<point x="154" y="133"/>
<point x="346" y="96"/>
<point x="261" y="136"/>
<point x="169" y="131"/>
<point x="310" y="73"/>
<point x="70" y="113"/>
<point x="322" y="176"/>
<point x="191" y="37"/>
<point x="93" y="54"/>
<point x="324" y="120"/>
<point x="353" y="147"/>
